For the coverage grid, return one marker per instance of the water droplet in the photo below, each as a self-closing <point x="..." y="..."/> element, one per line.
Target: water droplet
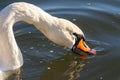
<point x="41" y="61"/>
<point x="24" y="51"/>
<point x="62" y="59"/>
<point x="53" y="44"/>
<point x="113" y="22"/>
<point x="101" y="78"/>
<point x="49" y="68"/>
<point x="89" y="4"/>
<point x="27" y="59"/>
<point x="37" y="51"/>
<point x="74" y="19"/>
<point x="31" y="47"/>
<point x="29" y="32"/>
<point x="51" y="51"/>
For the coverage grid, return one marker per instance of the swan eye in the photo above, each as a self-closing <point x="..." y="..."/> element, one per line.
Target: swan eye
<point x="78" y="38"/>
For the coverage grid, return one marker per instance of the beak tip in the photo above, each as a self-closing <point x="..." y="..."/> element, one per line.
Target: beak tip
<point x="92" y="51"/>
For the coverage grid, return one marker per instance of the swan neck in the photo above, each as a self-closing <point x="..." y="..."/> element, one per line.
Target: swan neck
<point x="8" y="17"/>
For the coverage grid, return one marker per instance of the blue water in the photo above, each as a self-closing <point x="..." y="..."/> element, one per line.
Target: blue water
<point x="44" y="60"/>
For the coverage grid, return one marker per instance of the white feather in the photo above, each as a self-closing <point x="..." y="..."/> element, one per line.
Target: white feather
<point x="56" y="29"/>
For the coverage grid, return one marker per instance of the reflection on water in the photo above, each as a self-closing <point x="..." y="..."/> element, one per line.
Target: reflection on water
<point x="67" y="67"/>
<point x="44" y="60"/>
<point x="13" y="74"/>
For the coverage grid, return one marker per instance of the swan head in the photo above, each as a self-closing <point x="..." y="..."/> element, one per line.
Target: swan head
<point x="71" y="36"/>
<point x="80" y="45"/>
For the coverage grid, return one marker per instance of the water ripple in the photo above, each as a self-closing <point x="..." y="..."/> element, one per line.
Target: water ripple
<point x="100" y="47"/>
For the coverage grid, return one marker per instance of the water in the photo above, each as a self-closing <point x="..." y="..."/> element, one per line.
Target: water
<point x="44" y="60"/>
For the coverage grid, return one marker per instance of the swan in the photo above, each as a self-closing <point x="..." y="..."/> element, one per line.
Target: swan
<point x="58" y="30"/>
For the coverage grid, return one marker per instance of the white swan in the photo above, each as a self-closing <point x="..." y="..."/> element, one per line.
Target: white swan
<point x="58" y="30"/>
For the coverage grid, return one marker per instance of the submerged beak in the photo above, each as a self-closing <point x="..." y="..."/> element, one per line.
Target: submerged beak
<point x="84" y="47"/>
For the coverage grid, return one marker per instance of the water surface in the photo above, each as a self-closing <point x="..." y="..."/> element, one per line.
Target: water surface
<point x="44" y="60"/>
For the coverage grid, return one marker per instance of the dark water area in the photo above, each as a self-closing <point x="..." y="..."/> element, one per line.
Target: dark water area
<point x="44" y="60"/>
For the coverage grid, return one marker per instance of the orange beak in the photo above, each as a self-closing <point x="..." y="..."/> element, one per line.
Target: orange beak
<point x="84" y="47"/>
